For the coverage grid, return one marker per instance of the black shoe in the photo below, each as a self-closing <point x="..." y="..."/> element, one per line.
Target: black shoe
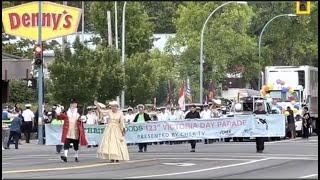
<point x="64" y="159"/>
<point x="145" y="150"/>
<point x="140" y="151"/>
<point x="112" y="161"/>
<point x="76" y="159"/>
<point x="117" y="161"/>
<point x="193" y="150"/>
<point x="259" y="151"/>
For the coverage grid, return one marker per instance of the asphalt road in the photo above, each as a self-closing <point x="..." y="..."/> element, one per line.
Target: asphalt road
<point x="290" y="159"/>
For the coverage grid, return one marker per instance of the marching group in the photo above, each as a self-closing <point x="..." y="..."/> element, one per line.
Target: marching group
<point x="113" y="145"/>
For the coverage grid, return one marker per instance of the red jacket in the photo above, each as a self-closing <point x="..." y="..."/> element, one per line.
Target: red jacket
<point x="82" y="136"/>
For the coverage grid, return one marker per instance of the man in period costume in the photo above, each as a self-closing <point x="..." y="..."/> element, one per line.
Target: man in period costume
<point x="73" y="130"/>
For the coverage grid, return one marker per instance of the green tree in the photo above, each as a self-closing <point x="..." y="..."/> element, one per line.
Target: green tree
<point x="140" y="78"/>
<point x="86" y="74"/>
<point x="139" y="30"/>
<point x="227" y="44"/>
<point x="20" y="92"/>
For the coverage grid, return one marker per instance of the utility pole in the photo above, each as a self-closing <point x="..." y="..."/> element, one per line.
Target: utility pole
<point x="64" y="38"/>
<point x="40" y="78"/>
<point x="109" y="28"/>
<point x="123" y="47"/>
<point x="116" y="34"/>
<point x="82" y="29"/>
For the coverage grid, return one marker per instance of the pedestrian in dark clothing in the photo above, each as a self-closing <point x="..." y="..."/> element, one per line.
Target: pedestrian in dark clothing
<point x="291" y="123"/>
<point x="15" y="129"/>
<point x="260" y="140"/>
<point x="142" y="117"/>
<point x="193" y="114"/>
<point x="306" y="121"/>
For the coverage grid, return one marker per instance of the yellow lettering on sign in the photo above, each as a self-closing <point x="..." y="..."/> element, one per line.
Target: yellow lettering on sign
<point x="57" y="20"/>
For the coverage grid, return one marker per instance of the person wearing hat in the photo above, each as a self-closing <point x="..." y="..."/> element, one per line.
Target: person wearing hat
<point x="260" y="140"/>
<point x="72" y="131"/>
<point x="113" y="145"/>
<point x="206" y="113"/>
<point x="163" y="116"/>
<point x="172" y="116"/>
<point x="179" y="113"/>
<point x="130" y="116"/>
<point x="142" y="117"/>
<point x="28" y="119"/>
<point x="193" y="114"/>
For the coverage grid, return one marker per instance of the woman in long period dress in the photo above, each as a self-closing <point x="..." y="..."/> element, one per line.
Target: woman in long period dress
<point x="113" y="145"/>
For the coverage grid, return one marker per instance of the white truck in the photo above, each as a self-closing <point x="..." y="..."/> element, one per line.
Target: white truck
<point x="304" y="81"/>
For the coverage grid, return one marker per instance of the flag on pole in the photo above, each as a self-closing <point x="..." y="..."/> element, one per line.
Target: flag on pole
<point x="188" y="91"/>
<point x="181" y="100"/>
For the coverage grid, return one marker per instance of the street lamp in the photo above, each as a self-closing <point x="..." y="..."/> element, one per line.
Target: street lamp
<point x="201" y="44"/>
<point x="260" y="37"/>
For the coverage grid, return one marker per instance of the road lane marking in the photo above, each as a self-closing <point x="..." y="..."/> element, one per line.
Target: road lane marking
<point x="210" y="159"/>
<point x="199" y="170"/>
<point x="179" y="164"/>
<point x="73" y="167"/>
<point x="311" y="175"/>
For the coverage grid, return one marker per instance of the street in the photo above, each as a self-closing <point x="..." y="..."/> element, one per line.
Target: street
<point x="288" y="159"/>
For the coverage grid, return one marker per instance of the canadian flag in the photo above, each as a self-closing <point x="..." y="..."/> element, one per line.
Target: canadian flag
<point x="182" y="100"/>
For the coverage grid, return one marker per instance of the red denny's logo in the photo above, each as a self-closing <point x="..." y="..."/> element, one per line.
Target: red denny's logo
<point x="49" y="20"/>
<point x="57" y="20"/>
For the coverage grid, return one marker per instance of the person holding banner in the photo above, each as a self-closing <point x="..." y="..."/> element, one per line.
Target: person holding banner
<point x="193" y="114"/>
<point x="142" y="117"/>
<point x="260" y="140"/>
<point x="113" y="145"/>
<point x="73" y="130"/>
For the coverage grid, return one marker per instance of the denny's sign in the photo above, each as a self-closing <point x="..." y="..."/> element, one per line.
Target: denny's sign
<point x="57" y="20"/>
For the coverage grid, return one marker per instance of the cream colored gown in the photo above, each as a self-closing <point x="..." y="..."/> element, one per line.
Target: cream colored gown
<point x="113" y="145"/>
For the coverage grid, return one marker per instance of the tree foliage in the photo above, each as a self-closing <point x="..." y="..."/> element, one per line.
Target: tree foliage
<point x="86" y="74"/>
<point x="138" y="28"/>
<point x="20" y="92"/>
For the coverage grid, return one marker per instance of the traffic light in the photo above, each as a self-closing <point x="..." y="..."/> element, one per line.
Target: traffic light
<point x="38" y="56"/>
<point x="303" y="7"/>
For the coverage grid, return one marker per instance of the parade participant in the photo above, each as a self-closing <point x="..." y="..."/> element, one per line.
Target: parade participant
<point x="130" y="116"/>
<point x="198" y="109"/>
<point x="163" y="116"/>
<point x="215" y="112"/>
<point x="179" y="113"/>
<point x="28" y="118"/>
<point x="91" y="117"/>
<point x="56" y="122"/>
<point x="142" y="117"/>
<point x="291" y="123"/>
<point x="113" y="145"/>
<point x="193" y="114"/>
<point x="305" y="122"/>
<point x="73" y="130"/>
<point x="260" y="140"/>
<point x="15" y="129"/>
<point x="172" y="116"/>
<point x="206" y="113"/>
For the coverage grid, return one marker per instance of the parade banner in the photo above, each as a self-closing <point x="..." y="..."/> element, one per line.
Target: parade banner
<point x="272" y="125"/>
